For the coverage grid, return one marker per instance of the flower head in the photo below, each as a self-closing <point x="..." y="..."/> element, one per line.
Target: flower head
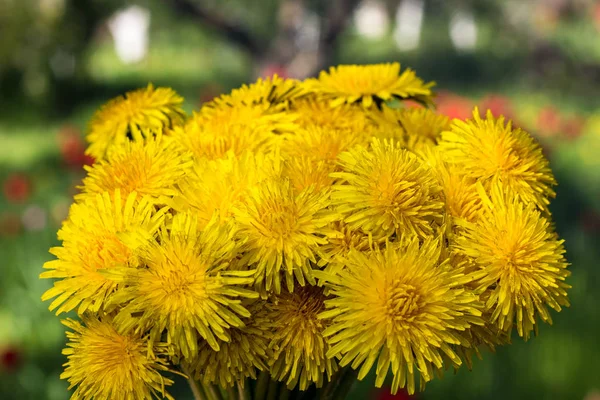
<point x="185" y="287"/>
<point x="423" y="127"/>
<point x="461" y="198"/>
<point x="149" y="168"/>
<point x="105" y="364"/>
<point x="246" y="353"/>
<point x="322" y="143"/>
<point x="400" y="307"/>
<point x="283" y="231"/>
<point x="305" y="172"/>
<point x="520" y="261"/>
<point x="369" y="84"/>
<point x="313" y="111"/>
<point x="298" y="343"/>
<point x="490" y="151"/>
<point x="133" y="117"/>
<point x="94" y="239"/>
<point x="387" y="190"/>
<point x="217" y="186"/>
<point x="274" y="91"/>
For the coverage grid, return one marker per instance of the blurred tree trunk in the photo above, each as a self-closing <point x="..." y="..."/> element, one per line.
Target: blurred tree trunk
<point x="305" y="37"/>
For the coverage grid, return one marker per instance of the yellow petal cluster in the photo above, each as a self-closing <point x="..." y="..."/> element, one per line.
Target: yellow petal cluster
<point x="291" y="232"/>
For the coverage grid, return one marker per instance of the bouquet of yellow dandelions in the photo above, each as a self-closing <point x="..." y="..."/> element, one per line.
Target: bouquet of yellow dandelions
<point x="294" y="235"/>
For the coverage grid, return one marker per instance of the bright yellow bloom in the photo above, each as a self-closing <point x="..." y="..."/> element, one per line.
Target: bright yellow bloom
<point x="246" y="353"/>
<point x="275" y="91"/>
<point x="423" y="127"/>
<point x="283" y="232"/>
<point x="400" y="307"/>
<point x="93" y="240"/>
<point x="322" y="143"/>
<point x="185" y="287"/>
<point x="490" y="151"/>
<point x="105" y="364"/>
<point x="217" y="186"/>
<point x="313" y="111"/>
<point x="369" y="84"/>
<point x="387" y="189"/>
<point x="298" y="343"/>
<point x="149" y="168"/>
<point x="334" y="252"/>
<point x="519" y="259"/>
<point x="460" y="194"/>
<point x="213" y="132"/>
<point x="133" y="117"/>
<point x="305" y="172"/>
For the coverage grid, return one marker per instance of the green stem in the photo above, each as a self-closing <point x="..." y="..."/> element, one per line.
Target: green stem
<point x="232" y="394"/>
<point x="243" y="390"/>
<point x="212" y="392"/>
<point x="345" y="384"/>
<point x="340" y="384"/>
<point x="196" y="389"/>
<point x="272" y="392"/>
<point x="262" y="385"/>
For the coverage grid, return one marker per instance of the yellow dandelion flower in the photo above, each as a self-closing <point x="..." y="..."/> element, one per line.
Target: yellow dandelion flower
<point x="217" y="186"/>
<point x="227" y="110"/>
<point x="387" y="124"/>
<point x="519" y="259"/>
<point x="185" y="287"/>
<point x="387" y="190"/>
<point x="273" y="90"/>
<point x="423" y="127"/>
<point x="322" y="143"/>
<point x="339" y="246"/>
<point x="105" y="364"/>
<point x="313" y="111"/>
<point x="133" y="116"/>
<point x="212" y="134"/>
<point x="461" y="198"/>
<point x="400" y="307"/>
<point x="283" y="231"/>
<point x="369" y="84"/>
<point x="298" y="343"/>
<point x="149" y="168"/>
<point x="489" y="150"/>
<point x="246" y="353"/>
<point x="306" y="172"/>
<point x="94" y="240"/>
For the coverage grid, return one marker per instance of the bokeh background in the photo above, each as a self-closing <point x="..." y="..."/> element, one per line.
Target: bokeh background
<point x="535" y="61"/>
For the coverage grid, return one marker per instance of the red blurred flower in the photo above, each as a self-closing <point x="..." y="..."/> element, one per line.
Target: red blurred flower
<point x="384" y="394"/>
<point x="548" y="121"/>
<point x="10" y="358"/>
<point x="17" y="188"/>
<point x="596" y="15"/>
<point x="454" y="106"/>
<point x="572" y="127"/>
<point x="274" y="69"/>
<point x="498" y="105"/>
<point x="72" y="147"/>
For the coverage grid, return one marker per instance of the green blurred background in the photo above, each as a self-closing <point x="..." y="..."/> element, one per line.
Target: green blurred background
<point x="536" y="61"/>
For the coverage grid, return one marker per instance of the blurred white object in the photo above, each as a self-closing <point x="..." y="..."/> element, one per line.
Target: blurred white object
<point x="463" y="30"/>
<point x="34" y="218"/>
<point x="409" y="20"/>
<point x="129" y="29"/>
<point x="371" y="19"/>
